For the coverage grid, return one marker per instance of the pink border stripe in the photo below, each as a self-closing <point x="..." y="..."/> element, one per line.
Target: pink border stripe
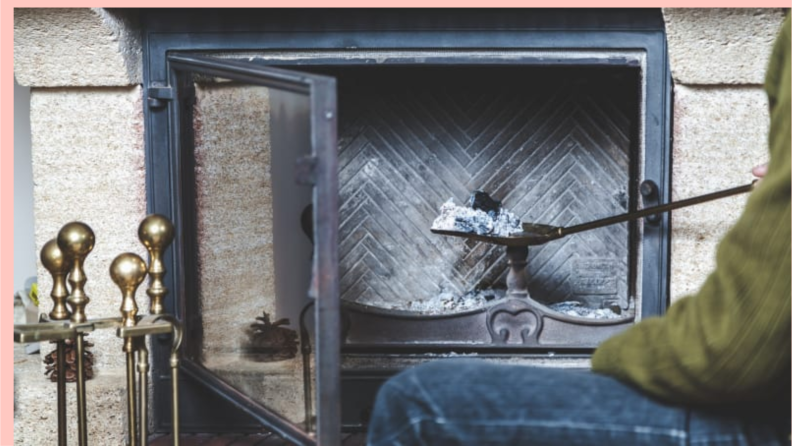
<point x="408" y="4"/>
<point x="6" y="227"/>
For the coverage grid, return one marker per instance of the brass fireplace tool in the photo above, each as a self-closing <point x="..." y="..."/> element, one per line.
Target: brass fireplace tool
<point x="64" y="257"/>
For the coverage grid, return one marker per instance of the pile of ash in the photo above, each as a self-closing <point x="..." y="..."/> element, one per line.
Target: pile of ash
<point x="483" y="215"/>
<point x="576" y="309"/>
<point x="447" y="302"/>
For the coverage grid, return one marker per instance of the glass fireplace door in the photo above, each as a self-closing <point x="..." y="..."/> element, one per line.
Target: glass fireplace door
<point x="250" y="139"/>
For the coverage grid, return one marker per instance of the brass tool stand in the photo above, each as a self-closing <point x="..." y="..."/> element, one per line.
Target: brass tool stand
<point x="64" y="257"/>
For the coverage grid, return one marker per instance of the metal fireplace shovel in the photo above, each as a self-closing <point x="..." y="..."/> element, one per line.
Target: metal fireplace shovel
<point x="538" y="234"/>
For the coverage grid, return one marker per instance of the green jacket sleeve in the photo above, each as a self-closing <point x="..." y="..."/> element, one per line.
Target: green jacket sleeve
<point x="731" y="341"/>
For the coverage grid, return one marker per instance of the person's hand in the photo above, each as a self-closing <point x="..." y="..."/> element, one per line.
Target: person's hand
<point x="759" y="172"/>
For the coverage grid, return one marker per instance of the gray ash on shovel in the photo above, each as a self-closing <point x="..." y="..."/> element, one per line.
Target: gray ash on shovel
<point x="484" y="216"/>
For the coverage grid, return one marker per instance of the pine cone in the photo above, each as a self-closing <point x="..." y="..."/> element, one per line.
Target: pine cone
<point x="269" y="341"/>
<point x="70" y="357"/>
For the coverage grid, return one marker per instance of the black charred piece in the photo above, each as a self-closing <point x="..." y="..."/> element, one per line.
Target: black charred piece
<point x="482" y="200"/>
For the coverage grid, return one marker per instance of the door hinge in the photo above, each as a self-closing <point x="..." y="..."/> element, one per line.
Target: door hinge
<point x="157" y="97"/>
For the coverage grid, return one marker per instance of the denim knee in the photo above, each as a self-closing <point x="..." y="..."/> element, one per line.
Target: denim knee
<point x="398" y="392"/>
<point x="401" y="408"/>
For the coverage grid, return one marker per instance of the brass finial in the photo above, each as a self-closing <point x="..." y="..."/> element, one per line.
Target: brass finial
<point x="75" y="241"/>
<point x="128" y="271"/>
<point x="58" y="266"/>
<point x="156" y="234"/>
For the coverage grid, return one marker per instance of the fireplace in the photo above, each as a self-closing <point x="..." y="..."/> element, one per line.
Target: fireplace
<point x="562" y="115"/>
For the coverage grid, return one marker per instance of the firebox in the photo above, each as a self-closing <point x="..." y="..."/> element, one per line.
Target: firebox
<point x="383" y="116"/>
<point x="556" y="146"/>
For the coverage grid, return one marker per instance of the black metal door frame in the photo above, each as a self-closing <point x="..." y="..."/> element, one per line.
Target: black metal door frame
<point x="167" y="32"/>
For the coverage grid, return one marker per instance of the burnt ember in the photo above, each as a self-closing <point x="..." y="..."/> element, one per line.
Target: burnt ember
<point x="482" y="201"/>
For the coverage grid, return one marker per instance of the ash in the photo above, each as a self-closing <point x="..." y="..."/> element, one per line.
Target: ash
<point x="466" y="219"/>
<point x="576" y="309"/>
<point x="447" y="302"/>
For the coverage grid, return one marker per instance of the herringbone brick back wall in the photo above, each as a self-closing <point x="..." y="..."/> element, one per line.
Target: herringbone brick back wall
<point x="554" y="147"/>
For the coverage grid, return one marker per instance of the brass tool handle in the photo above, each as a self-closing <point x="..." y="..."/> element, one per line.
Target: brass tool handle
<point x="128" y="271"/>
<point x="629" y="216"/>
<point x="76" y="241"/>
<point x="156" y="234"/>
<point x="58" y="266"/>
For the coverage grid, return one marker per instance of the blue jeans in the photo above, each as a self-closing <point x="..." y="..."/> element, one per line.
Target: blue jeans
<point x="470" y="402"/>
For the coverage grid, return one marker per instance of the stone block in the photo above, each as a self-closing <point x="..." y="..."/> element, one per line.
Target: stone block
<point x="88" y="165"/>
<point x="719" y="135"/>
<point x="720" y="45"/>
<point x="60" y="47"/>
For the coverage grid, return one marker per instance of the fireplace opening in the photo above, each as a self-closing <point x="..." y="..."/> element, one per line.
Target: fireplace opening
<point x="556" y="145"/>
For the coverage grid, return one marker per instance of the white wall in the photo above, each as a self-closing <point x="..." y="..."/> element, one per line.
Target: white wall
<point x="24" y="243"/>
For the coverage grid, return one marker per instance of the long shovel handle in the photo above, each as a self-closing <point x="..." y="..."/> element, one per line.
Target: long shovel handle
<point x="629" y="216"/>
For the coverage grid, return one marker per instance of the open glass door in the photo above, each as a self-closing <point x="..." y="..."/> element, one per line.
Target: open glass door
<point x="249" y="139"/>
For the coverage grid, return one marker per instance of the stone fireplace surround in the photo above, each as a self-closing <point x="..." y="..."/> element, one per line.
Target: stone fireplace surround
<point x="696" y="109"/>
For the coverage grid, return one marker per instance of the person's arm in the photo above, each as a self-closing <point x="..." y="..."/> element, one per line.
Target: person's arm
<point x="731" y="341"/>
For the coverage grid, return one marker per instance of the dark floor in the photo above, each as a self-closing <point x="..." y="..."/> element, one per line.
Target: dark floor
<point x="241" y="440"/>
